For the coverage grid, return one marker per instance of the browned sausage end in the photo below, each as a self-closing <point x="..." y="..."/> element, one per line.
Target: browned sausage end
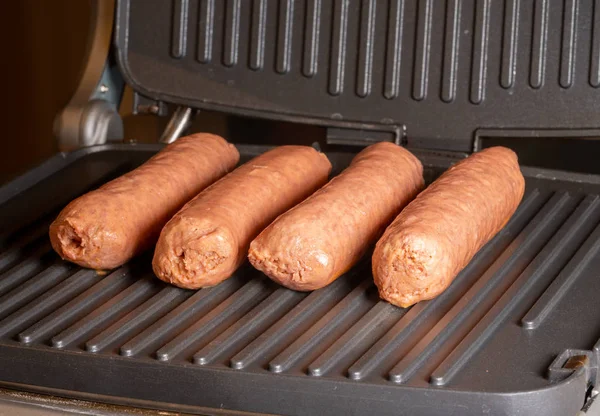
<point x="106" y="227"/>
<point x="205" y="242"/>
<point x="315" y="242"/>
<point x="438" y="234"/>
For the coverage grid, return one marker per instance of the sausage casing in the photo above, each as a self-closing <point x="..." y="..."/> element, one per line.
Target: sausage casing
<point x="106" y="227"/>
<point x="437" y="234"/>
<point x="205" y="242"/>
<point x="315" y="242"/>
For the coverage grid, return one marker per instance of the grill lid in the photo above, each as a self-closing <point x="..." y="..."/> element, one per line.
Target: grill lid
<point x="435" y="74"/>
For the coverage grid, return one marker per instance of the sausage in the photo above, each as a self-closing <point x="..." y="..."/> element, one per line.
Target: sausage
<point x="438" y="233"/>
<point x="205" y="242"/>
<point x="107" y="227"/>
<point x="315" y="242"/>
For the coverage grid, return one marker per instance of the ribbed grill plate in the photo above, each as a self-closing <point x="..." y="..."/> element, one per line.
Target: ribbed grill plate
<point x="248" y="344"/>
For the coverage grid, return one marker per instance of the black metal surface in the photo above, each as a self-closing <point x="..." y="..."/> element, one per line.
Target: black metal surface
<point x="484" y="345"/>
<point x="434" y="73"/>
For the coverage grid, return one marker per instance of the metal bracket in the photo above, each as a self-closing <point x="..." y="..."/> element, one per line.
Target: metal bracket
<point x="145" y="105"/>
<point x="571" y="360"/>
<point x="363" y="135"/>
<point x="180" y="121"/>
<point x="92" y="116"/>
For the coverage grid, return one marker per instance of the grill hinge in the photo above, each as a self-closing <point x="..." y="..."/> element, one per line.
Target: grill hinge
<point x="572" y="360"/>
<point x="363" y="135"/>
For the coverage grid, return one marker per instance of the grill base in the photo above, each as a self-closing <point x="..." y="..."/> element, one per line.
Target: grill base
<point x="247" y="344"/>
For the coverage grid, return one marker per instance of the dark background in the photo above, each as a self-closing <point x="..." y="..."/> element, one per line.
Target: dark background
<point x="44" y="44"/>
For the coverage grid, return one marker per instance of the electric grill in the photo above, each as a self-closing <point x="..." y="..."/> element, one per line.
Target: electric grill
<point x="516" y="333"/>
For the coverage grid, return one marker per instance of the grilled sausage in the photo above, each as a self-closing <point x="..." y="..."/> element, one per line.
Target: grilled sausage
<point x="438" y="233"/>
<point x="315" y="242"/>
<point x="105" y="228"/>
<point x="205" y="242"/>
